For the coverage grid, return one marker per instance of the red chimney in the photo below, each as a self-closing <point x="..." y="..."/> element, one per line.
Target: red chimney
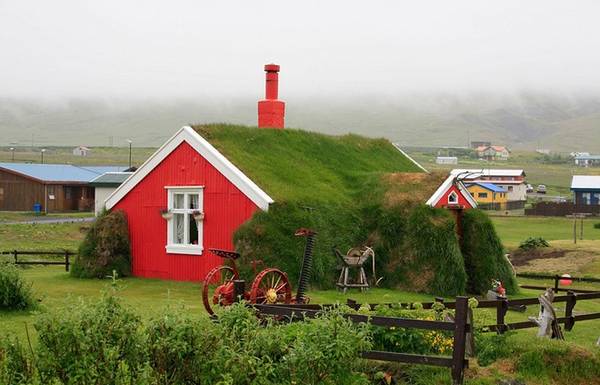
<point x="271" y="111"/>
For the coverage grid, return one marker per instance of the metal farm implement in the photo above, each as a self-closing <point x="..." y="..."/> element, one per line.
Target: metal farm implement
<point x="270" y="286"/>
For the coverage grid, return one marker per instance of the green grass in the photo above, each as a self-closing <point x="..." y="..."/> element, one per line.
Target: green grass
<point x="46" y="236"/>
<point x="98" y="155"/>
<point x="20" y="216"/>
<point x="513" y="230"/>
<point x="295" y="165"/>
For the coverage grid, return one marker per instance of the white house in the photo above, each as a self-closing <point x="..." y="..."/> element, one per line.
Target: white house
<point x="446" y="160"/>
<point x="81" y="151"/>
<point x="104" y="185"/>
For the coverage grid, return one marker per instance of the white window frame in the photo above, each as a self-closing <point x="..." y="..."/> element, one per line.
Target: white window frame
<point x="455" y="195"/>
<point x="175" y="248"/>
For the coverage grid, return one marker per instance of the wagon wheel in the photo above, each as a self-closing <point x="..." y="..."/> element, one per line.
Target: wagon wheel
<point x="220" y="280"/>
<point x="271" y="286"/>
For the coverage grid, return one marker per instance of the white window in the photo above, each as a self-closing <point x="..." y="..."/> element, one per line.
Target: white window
<point x="452" y="198"/>
<point x="184" y="228"/>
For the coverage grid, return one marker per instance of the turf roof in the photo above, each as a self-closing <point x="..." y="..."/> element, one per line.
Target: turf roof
<point x="306" y="166"/>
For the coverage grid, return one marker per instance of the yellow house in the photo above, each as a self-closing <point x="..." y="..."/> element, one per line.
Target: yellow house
<point x="488" y="193"/>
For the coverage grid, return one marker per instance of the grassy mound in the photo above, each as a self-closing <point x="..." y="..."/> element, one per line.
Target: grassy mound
<point x="484" y="255"/>
<point x="353" y="191"/>
<point x="105" y="248"/>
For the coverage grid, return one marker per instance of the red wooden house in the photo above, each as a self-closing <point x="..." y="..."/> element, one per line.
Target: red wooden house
<point x="190" y="179"/>
<point x="452" y="194"/>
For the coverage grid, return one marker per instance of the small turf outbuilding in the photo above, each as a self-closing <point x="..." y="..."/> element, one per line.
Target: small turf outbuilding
<point x="203" y="184"/>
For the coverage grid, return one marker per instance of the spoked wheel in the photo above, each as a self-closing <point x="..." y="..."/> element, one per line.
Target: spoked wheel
<point x="217" y="289"/>
<point x="271" y="286"/>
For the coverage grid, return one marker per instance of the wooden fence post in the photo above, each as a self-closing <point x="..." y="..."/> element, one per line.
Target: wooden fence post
<point x="571" y="301"/>
<point x="459" y="342"/>
<point x="556" y="279"/>
<point x="67" y="253"/>
<point x="501" y="309"/>
<point x="239" y="289"/>
<point x="15" y="254"/>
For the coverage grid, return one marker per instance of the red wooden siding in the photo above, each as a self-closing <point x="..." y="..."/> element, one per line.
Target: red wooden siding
<point x="225" y="208"/>
<point x="462" y="201"/>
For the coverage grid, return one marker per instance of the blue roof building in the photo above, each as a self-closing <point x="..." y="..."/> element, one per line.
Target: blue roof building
<point x="49" y="187"/>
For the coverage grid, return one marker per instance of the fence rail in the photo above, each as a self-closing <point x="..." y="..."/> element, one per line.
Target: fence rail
<point x="557" y="209"/>
<point x="65" y="253"/>
<point x="457" y="362"/>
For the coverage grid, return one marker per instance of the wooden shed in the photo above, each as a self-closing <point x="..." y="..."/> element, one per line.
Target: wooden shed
<point x="54" y="187"/>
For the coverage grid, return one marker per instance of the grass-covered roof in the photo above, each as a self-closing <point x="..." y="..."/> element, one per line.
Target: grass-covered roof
<point x="297" y="165"/>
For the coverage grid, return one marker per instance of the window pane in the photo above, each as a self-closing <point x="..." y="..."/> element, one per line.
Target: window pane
<point x="193" y="229"/>
<point x="178" y="201"/>
<point x="178" y="228"/>
<point x="193" y="199"/>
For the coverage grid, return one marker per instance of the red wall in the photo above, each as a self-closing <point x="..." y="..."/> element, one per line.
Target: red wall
<point x="225" y="208"/>
<point x="462" y="201"/>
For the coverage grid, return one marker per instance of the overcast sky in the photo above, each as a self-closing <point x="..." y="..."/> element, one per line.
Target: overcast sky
<point x="168" y="49"/>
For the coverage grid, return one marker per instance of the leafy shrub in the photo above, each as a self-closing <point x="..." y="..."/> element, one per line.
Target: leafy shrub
<point x="484" y="255"/>
<point x="85" y="343"/>
<point x="533" y="243"/>
<point x="105" y="248"/>
<point x="597" y="225"/>
<point x="411" y="340"/>
<point x="15" y="365"/>
<point x="15" y="293"/>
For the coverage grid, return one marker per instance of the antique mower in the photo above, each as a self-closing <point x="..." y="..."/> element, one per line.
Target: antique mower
<point x="270" y="286"/>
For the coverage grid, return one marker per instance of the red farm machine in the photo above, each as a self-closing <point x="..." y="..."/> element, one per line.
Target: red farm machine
<point x="270" y="286"/>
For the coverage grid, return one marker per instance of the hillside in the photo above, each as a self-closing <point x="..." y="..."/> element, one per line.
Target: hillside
<point x="296" y="165"/>
<point x="526" y="120"/>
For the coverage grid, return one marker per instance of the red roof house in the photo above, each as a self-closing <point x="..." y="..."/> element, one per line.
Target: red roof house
<point x="190" y="179"/>
<point x="452" y="194"/>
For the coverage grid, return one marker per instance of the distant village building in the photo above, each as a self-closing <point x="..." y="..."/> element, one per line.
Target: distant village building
<point x="587" y="160"/>
<point x="104" y="185"/>
<point x="511" y="180"/>
<point x="493" y="152"/>
<point x="477" y="144"/>
<point x="586" y="189"/>
<point x="81" y="151"/>
<point x="48" y="187"/>
<point x="446" y="160"/>
<point x="543" y="151"/>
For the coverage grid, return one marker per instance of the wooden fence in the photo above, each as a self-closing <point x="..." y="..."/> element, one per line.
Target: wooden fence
<point x="457" y="362"/>
<point x="16" y="253"/>
<point x="556" y="209"/>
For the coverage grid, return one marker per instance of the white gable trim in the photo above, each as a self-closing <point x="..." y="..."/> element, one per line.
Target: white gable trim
<point x="409" y="157"/>
<point x="439" y="193"/>
<point x="208" y="152"/>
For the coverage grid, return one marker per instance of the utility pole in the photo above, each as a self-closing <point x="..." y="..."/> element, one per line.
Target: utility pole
<point x="129" y="141"/>
<point x="12" y="150"/>
<point x="42" y="152"/>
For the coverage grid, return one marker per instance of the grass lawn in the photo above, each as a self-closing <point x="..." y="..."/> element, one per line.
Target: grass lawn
<point x="45" y="236"/>
<point x="16" y="216"/>
<point x="148" y="297"/>
<point x="513" y="230"/>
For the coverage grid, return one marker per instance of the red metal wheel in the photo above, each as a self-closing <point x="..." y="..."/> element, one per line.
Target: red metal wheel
<point x="271" y="286"/>
<point x="217" y="289"/>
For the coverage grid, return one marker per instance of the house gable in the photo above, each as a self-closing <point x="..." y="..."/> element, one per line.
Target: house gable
<point x="440" y="197"/>
<point x="207" y="151"/>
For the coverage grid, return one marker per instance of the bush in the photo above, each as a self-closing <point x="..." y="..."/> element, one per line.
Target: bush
<point x="597" y="225"/>
<point x="105" y="248"/>
<point x="100" y="343"/>
<point x="532" y="243"/>
<point x="484" y="255"/>
<point x="105" y="343"/>
<point x="15" y="293"/>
